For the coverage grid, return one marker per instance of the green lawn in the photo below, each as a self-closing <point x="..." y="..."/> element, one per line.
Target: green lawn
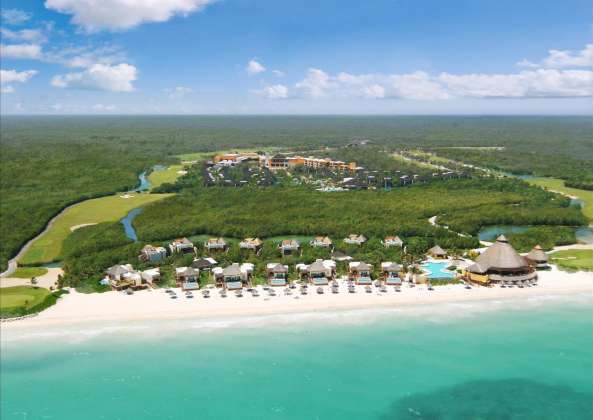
<point x="555" y="184"/>
<point x="29" y="272"/>
<point x="49" y="246"/>
<point x="21" y="297"/>
<point x="170" y="175"/>
<point x="573" y="259"/>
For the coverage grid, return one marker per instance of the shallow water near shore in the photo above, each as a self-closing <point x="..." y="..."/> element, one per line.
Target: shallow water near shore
<point x="489" y="360"/>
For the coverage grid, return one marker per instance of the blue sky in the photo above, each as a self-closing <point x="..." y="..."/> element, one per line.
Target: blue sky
<point x="305" y="57"/>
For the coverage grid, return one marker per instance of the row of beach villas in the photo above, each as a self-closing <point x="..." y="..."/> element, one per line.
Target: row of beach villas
<point x="499" y="264"/>
<point x="286" y="247"/>
<point x="236" y="276"/>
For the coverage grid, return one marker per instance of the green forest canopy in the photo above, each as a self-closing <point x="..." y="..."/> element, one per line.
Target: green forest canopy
<point x="47" y="163"/>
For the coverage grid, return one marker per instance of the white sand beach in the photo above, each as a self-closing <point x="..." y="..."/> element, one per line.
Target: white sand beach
<point x="156" y="304"/>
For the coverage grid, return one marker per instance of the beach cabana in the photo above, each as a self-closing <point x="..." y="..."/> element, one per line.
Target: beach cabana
<point x="360" y="272"/>
<point x="216" y="244"/>
<point x="289" y="247"/>
<point x="277" y="274"/>
<point x="437" y="252"/>
<point x="390" y="273"/>
<point x="391" y="241"/>
<point x="321" y="242"/>
<point x="188" y="278"/>
<point x="538" y="258"/>
<point x="252" y="244"/>
<point x="234" y="276"/>
<point x="500" y="263"/>
<point x="320" y="272"/>
<point x="152" y="253"/>
<point x="181" y="246"/>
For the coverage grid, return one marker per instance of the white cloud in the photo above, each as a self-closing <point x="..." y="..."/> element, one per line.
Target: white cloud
<point x="278" y="73"/>
<point x="116" y="78"/>
<point x="178" y="92"/>
<point x="421" y="86"/>
<point x="316" y="84"/>
<point x="85" y="56"/>
<point x="273" y="92"/>
<point x="374" y="91"/>
<point x="20" y="51"/>
<point x="540" y="83"/>
<point x="115" y="15"/>
<point x="104" y="108"/>
<point x="13" y="76"/>
<point x="15" y="16"/>
<point x="254" y="67"/>
<point x="24" y="35"/>
<point x="563" y="59"/>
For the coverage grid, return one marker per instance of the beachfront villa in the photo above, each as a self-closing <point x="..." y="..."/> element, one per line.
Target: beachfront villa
<point x="216" y="244"/>
<point x="188" y="278"/>
<point x="277" y="274"/>
<point x="437" y="252"/>
<point x="116" y="272"/>
<point x="390" y="273"/>
<point x="321" y="242"/>
<point x="181" y="246"/>
<point x="204" y="263"/>
<point x="289" y="247"/>
<point x="124" y="276"/>
<point x="151" y="276"/>
<point x="234" y="276"/>
<point x="252" y="244"/>
<point x="152" y="253"/>
<point x="391" y="241"/>
<point x="360" y="272"/>
<point x="538" y="258"/>
<point x="355" y="239"/>
<point x="500" y="264"/>
<point x="319" y="273"/>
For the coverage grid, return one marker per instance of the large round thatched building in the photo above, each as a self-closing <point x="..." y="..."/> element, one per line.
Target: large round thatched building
<point x="500" y="263"/>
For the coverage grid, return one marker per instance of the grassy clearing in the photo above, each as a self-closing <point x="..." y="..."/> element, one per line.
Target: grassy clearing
<point x="573" y="259"/>
<point x="555" y="184"/>
<point x="170" y="175"/>
<point x="29" y="272"/>
<point x="23" y="300"/>
<point x="21" y="297"/>
<point x="49" y="246"/>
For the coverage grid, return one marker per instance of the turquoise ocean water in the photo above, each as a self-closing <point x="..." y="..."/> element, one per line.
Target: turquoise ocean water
<point x="528" y="359"/>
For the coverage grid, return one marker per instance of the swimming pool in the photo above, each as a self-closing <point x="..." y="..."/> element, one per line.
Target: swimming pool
<point x="438" y="270"/>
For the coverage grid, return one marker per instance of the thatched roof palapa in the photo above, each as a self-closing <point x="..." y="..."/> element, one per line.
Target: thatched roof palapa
<point x="537" y="254"/>
<point x="500" y="256"/>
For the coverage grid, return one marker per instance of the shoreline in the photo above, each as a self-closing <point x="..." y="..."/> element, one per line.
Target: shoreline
<point x="156" y="305"/>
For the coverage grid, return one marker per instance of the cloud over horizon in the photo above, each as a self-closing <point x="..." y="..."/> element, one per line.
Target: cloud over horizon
<point x="116" y="78"/>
